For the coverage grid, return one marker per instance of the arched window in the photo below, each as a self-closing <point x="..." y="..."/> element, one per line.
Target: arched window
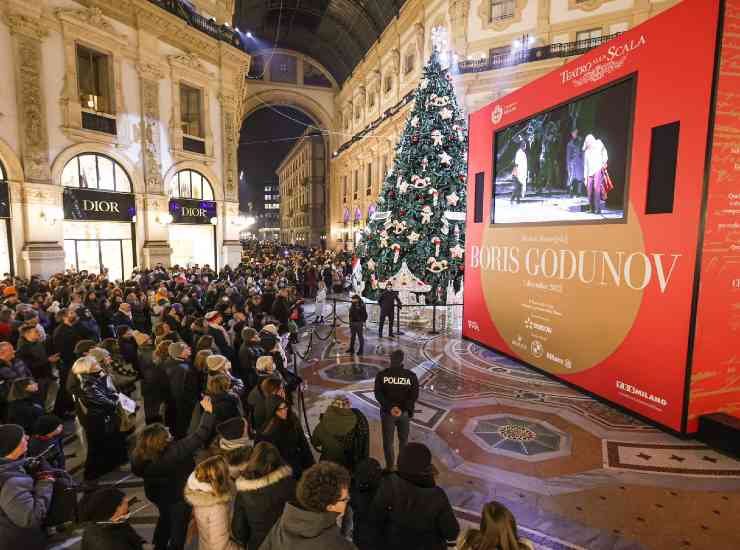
<point x="95" y="171"/>
<point x="189" y="184"/>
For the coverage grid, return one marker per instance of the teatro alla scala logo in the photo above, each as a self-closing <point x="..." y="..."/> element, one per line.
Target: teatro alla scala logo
<point x="498" y="114"/>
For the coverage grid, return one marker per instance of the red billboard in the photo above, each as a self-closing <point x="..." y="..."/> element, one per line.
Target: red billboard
<point x="571" y="269"/>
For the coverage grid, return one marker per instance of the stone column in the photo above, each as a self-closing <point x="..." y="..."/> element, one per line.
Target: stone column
<point x="42" y="252"/>
<point x="156" y="249"/>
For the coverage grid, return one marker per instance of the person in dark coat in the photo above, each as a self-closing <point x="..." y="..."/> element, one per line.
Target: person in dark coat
<point x="97" y="399"/>
<point x="357" y="320"/>
<point x="64" y="340"/>
<point x="249" y="352"/>
<point x="281" y="309"/>
<point x="263" y="489"/>
<point x="409" y="510"/>
<point x="123" y="316"/>
<point x="284" y="430"/>
<point x="396" y="390"/>
<point x="264" y="398"/>
<point x="181" y="405"/>
<point x="155" y="386"/>
<point x="310" y="522"/>
<point x="220" y="337"/>
<point x="104" y="515"/>
<point x="127" y="345"/>
<point x="165" y="465"/>
<point x="226" y="405"/>
<point x="388" y="301"/>
<point x="25" y="497"/>
<point x="32" y="351"/>
<point x="366" y="480"/>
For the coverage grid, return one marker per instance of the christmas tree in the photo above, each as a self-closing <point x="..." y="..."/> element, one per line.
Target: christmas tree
<point x="419" y="224"/>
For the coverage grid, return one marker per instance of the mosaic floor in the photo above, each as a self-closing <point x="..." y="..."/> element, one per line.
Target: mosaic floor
<point x="578" y="474"/>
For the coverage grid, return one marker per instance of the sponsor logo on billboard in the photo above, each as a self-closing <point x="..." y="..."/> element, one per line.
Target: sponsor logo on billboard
<point x="537" y="349"/>
<point x="641" y="393"/>
<point x="473" y="325"/>
<point x="518" y="342"/>
<point x="534" y="325"/>
<point x="565" y="363"/>
<point x="498" y="114"/>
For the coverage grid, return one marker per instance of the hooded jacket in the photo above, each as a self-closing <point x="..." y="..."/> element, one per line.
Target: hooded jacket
<point x="212" y="514"/>
<point x="300" y="529"/>
<point x="24" y="505"/>
<point x="330" y="435"/>
<point x="259" y="504"/>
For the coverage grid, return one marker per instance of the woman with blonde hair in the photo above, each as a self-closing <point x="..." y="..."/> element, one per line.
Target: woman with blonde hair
<point x="210" y="492"/>
<point x="497" y="531"/>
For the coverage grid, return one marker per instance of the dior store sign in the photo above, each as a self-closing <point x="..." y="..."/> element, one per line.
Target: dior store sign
<point x="192" y="211"/>
<point x="92" y="205"/>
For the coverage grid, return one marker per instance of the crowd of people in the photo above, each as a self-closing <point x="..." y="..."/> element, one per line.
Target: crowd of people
<point x="184" y="374"/>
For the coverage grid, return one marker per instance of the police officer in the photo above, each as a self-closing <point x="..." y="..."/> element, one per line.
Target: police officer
<point x="396" y="390"/>
<point x="387" y="300"/>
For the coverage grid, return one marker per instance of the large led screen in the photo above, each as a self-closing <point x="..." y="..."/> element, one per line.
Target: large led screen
<point x="568" y="164"/>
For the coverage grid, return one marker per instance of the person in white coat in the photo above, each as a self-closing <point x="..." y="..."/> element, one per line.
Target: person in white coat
<point x="320" y="303"/>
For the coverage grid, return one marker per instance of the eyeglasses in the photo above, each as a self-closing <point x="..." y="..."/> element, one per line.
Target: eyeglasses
<point x="344" y="499"/>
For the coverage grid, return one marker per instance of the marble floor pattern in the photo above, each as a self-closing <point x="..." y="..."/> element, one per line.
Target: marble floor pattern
<point x="578" y="474"/>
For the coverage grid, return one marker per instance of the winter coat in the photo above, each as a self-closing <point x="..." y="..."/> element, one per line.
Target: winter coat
<point x="524" y="544"/>
<point x="331" y="434"/>
<point x="261" y="407"/>
<point x="362" y="491"/>
<point x="248" y="355"/>
<point x="24" y="505"/>
<point x="182" y="400"/>
<point x="212" y="514"/>
<point x="290" y="440"/>
<point x="357" y="313"/>
<point x="98" y="402"/>
<point x="11" y="371"/>
<point x="397" y="387"/>
<point x="34" y="355"/>
<point x="225" y="406"/>
<point x="165" y="478"/>
<point x="299" y="529"/>
<point x="155" y="386"/>
<point x="64" y="340"/>
<point x="120" y="318"/>
<point x="259" y="504"/>
<point x="110" y="536"/>
<point x="220" y="338"/>
<point x="413" y="516"/>
<point x="388" y="300"/>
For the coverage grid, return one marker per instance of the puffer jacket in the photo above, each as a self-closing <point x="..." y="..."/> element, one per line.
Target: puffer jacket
<point x="24" y="505"/>
<point x="212" y="514"/>
<point x="259" y="504"/>
<point x="330" y="435"/>
<point x="299" y="529"/>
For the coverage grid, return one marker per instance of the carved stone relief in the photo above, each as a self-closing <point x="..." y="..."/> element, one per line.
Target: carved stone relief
<point x="150" y="134"/>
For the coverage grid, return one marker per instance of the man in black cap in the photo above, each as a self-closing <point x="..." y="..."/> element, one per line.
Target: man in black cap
<point x="396" y="390"/>
<point x="24" y="496"/>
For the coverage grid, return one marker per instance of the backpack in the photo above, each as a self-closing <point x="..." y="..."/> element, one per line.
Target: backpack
<point x="357" y="442"/>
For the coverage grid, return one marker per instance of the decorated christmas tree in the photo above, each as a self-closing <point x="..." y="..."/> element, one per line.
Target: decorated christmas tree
<point x="416" y="239"/>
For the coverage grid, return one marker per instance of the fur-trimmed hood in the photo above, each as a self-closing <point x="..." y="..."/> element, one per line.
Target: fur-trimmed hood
<point x="246" y="485"/>
<point x="198" y="493"/>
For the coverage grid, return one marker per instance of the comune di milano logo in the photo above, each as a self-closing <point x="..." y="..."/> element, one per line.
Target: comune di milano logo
<point x="537" y="348"/>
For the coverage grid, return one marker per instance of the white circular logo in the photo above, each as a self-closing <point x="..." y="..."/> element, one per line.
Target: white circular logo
<point x="537" y="349"/>
<point x="498" y="114"/>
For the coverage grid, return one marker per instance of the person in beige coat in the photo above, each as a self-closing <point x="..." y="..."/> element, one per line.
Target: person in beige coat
<point x="210" y="492"/>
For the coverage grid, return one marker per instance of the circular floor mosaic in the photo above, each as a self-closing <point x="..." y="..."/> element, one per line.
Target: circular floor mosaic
<point x="350" y="373"/>
<point x="518" y="437"/>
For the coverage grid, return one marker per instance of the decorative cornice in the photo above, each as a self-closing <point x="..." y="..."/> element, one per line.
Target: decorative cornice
<point x="149" y="71"/>
<point x="91" y="19"/>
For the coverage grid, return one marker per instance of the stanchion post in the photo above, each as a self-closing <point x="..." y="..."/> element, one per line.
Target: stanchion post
<point x="398" y="321"/>
<point x="434" y="320"/>
<point x="334" y="321"/>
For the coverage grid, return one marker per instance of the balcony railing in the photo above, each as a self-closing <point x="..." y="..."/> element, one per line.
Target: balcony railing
<point x="203" y="24"/>
<point x="528" y="55"/>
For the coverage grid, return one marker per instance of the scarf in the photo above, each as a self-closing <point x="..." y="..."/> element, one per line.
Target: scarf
<point x="233" y="444"/>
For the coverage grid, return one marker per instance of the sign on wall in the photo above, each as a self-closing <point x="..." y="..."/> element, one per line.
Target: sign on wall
<point x="192" y="211"/>
<point x="92" y="205"/>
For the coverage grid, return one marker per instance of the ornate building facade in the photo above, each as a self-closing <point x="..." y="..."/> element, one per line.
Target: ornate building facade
<point x="496" y="47"/>
<point x="118" y="135"/>
<point x="302" y="179"/>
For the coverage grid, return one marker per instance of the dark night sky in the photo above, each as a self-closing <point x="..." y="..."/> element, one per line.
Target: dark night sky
<point x="259" y="160"/>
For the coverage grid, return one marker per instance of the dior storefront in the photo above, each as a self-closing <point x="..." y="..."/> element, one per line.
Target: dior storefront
<point x="99" y="216"/>
<point x="194" y="216"/>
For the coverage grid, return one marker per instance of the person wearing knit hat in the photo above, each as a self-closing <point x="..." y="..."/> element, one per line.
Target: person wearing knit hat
<point x="102" y="356"/>
<point x="414" y="512"/>
<point x="105" y="513"/>
<point x="234" y="444"/>
<point x="83" y="347"/>
<point x="179" y="351"/>
<point x="217" y="363"/>
<point x="24" y="499"/>
<point x="332" y="434"/>
<point x="396" y="390"/>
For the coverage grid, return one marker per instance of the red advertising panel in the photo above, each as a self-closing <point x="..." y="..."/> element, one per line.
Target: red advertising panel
<point x="574" y="269"/>
<point x="715" y="373"/>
